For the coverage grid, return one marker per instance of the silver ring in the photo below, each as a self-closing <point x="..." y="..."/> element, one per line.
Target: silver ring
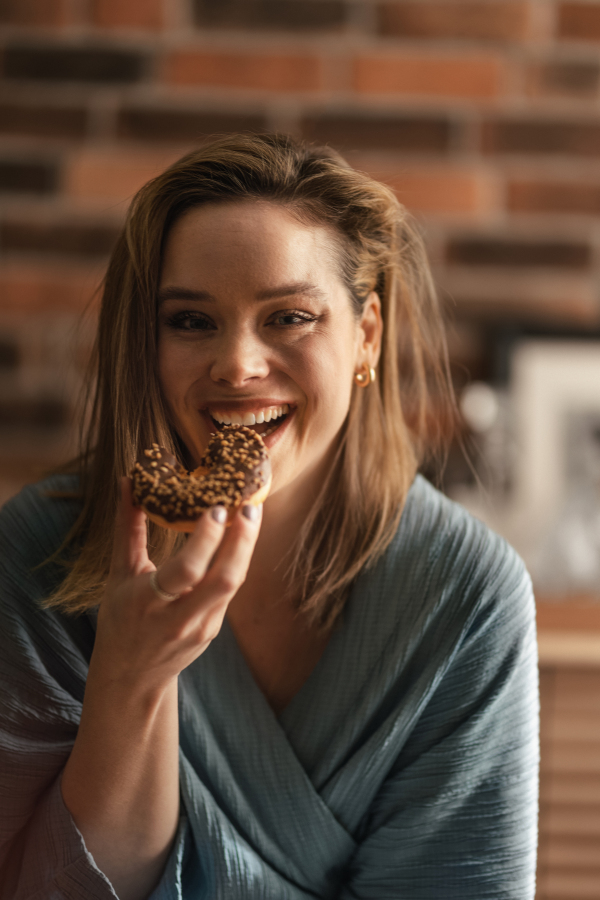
<point x="164" y="595"/>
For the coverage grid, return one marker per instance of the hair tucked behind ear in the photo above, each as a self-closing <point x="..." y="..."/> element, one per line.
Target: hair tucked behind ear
<point x="391" y="425"/>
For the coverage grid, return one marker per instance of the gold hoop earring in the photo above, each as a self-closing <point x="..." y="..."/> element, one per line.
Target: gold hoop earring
<point x="365" y="377"/>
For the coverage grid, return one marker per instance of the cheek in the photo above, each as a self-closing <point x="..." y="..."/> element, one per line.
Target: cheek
<point x="326" y="377"/>
<point x="175" y="369"/>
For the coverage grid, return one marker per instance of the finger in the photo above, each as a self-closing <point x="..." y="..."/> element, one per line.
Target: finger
<point x="229" y="565"/>
<point x="129" y="551"/>
<point x="189" y="566"/>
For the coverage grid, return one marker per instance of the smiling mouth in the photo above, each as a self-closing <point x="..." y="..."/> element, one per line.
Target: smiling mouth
<point x="264" y="422"/>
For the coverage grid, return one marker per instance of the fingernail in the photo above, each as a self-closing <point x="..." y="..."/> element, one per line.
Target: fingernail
<point x="251" y="512"/>
<point x="219" y="514"/>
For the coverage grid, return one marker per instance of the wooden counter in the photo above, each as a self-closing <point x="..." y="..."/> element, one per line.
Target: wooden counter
<point x="576" y="648"/>
<point x="569" y="632"/>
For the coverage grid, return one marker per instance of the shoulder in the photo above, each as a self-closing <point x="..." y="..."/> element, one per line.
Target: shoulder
<point x="444" y="574"/>
<point x="36" y="642"/>
<point x="34" y="523"/>
<point x="44" y="654"/>
<point x="455" y="547"/>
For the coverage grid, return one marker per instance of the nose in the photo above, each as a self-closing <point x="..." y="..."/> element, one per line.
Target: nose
<point x="239" y="357"/>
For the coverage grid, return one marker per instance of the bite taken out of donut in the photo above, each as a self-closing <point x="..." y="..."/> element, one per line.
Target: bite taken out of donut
<point x="235" y="470"/>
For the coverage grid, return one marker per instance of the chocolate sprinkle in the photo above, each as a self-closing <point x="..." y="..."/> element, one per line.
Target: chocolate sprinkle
<point x="236" y="465"/>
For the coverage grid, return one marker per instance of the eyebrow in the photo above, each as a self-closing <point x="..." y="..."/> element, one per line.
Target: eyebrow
<point x="286" y="290"/>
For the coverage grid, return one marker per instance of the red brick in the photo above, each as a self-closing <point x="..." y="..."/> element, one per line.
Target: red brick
<point x="45" y="412"/>
<point x="113" y="175"/>
<point x="491" y="21"/>
<point x="400" y="133"/>
<point x="430" y="189"/>
<point x="75" y="237"/>
<point x="289" y="15"/>
<point x="184" y="126"/>
<point x="145" y="14"/>
<point x="563" y="78"/>
<point x="554" y="196"/>
<point x="70" y="62"/>
<point x="543" y="136"/>
<point x="29" y="176"/>
<point x="34" y="12"/>
<point x="27" y="289"/>
<point x="266" y="71"/>
<point x="579" y="21"/>
<point x="554" y="299"/>
<point x="477" y="77"/>
<point x="44" y="120"/>
<point x="490" y="251"/>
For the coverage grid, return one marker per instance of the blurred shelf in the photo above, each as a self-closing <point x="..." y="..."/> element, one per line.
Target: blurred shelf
<point x="569" y="631"/>
<point x="570" y="649"/>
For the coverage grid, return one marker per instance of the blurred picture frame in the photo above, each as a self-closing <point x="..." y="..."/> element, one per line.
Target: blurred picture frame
<point x="555" y="389"/>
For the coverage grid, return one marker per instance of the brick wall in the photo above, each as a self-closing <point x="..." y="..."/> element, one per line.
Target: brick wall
<point x="482" y="114"/>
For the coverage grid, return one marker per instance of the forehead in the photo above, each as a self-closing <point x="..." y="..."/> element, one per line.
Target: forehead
<point x="255" y="241"/>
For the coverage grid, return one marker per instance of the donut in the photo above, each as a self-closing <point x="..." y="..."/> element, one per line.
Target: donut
<point x="235" y="469"/>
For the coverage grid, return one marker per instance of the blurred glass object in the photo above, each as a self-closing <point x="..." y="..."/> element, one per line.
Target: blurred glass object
<point x="479" y="406"/>
<point x="486" y="413"/>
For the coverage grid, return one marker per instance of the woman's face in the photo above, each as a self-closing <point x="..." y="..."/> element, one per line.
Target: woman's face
<point x="254" y="320"/>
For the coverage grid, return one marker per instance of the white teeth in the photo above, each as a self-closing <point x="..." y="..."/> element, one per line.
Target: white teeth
<point x="264" y="415"/>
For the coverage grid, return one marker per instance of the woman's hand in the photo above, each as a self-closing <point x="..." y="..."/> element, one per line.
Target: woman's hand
<point x="143" y="638"/>
<point x="121" y="781"/>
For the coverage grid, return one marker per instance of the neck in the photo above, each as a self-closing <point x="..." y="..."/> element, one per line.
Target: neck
<point x="284" y="514"/>
<point x="280" y="648"/>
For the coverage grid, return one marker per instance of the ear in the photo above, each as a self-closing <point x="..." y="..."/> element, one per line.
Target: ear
<point x="370" y="332"/>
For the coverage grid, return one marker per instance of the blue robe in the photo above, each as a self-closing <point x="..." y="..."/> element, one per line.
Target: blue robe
<point x="405" y="767"/>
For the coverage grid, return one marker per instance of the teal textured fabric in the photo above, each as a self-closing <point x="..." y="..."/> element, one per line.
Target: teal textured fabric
<point x="405" y="767"/>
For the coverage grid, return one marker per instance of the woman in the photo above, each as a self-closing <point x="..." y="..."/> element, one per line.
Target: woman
<point x="336" y="698"/>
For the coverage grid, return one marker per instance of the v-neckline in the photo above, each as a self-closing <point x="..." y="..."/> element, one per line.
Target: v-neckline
<point x="229" y="634"/>
<point x="323" y="690"/>
<point x="240" y="751"/>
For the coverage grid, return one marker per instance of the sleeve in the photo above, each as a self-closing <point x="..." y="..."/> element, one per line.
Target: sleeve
<point x="457" y="816"/>
<point x="43" y="667"/>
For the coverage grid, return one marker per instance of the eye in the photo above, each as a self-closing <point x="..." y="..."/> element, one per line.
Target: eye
<point x="189" y="321"/>
<point x="292" y="318"/>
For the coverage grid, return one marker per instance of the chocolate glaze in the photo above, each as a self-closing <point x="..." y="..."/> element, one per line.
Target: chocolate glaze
<point x="238" y="466"/>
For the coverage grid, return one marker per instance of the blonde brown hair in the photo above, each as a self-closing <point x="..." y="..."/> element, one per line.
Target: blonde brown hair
<point x="390" y="425"/>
